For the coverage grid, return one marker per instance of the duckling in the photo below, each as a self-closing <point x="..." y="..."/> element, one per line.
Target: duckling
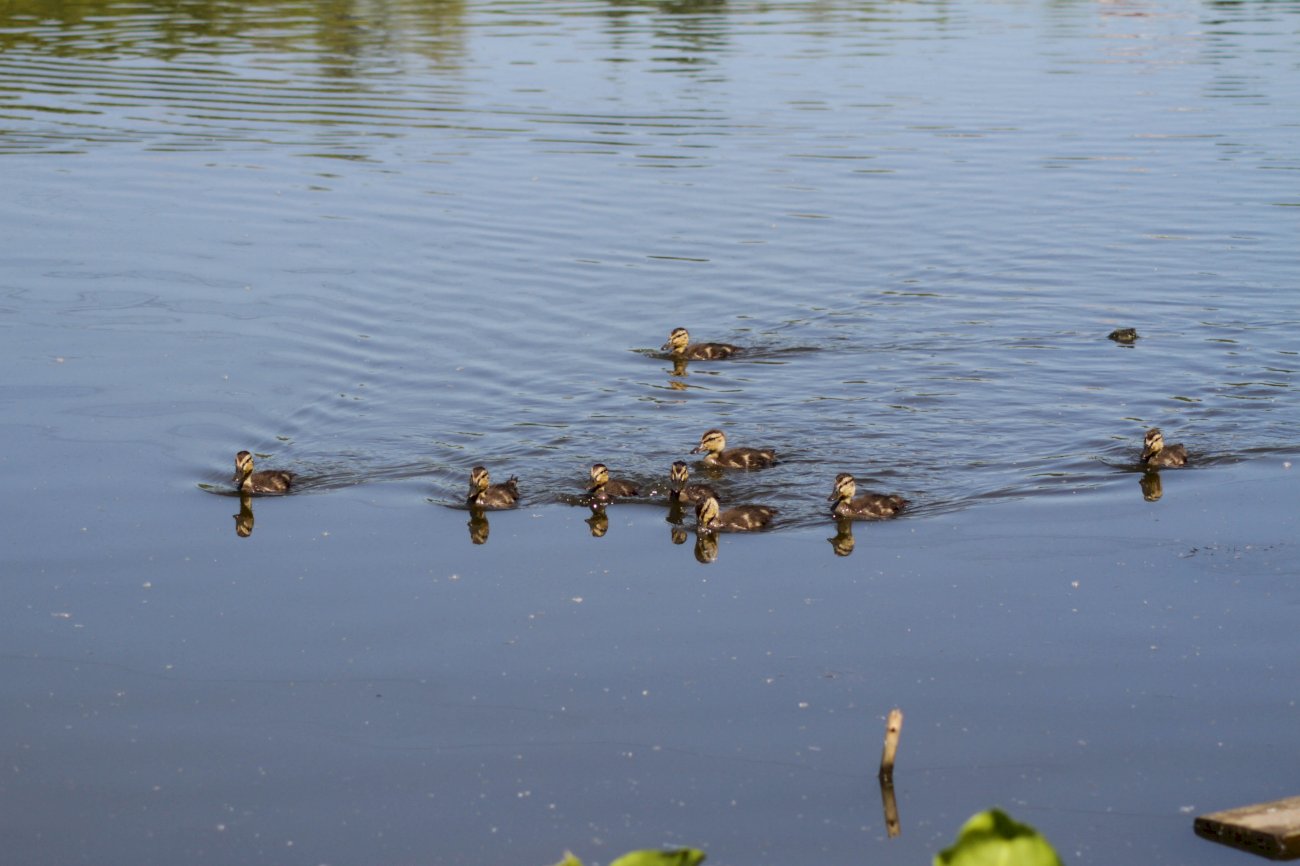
<point x="604" y="489"/>
<point x="1123" y="335"/>
<point x="267" y="481"/>
<point x="679" y="345"/>
<point x="681" y="492"/>
<point x="868" y="506"/>
<point x="713" y="445"/>
<point x="484" y="494"/>
<point x="1155" y="453"/>
<point x="742" y="518"/>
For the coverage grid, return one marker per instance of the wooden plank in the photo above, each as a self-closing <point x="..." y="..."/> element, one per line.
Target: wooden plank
<point x="1271" y="830"/>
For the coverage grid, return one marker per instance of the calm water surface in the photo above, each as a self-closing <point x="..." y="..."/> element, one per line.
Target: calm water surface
<point x="380" y="243"/>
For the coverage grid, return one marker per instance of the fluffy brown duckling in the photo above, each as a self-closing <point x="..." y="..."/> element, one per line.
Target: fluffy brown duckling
<point x="679" y="345"/>
<point x="742" y="518"/>
<point x="266" y="481"/>
<point x="681" y="492"/>
<point x="713" y="445"/>
<point x="484" y="494"/>
<point x="1123" y="335"/>
<point x="868" y="506"/>
<point x="605" y="489"/>
<point x="1155" y="453"/>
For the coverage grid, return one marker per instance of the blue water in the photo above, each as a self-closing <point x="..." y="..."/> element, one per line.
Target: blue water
<point x="380" y="244"/>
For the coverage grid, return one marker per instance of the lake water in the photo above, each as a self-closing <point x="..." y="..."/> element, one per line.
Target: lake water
<point x="380" y="243"/>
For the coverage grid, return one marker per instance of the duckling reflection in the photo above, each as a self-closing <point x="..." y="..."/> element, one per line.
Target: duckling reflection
<point x="743" y="518"/>
<point x="842" y="542"/>
<point x="272" y="481"/>
<point x="1156" y="454"/>
<point x="680" y="492"/>
<point x="484" y="494"/>
<point x="706" y="547"/>
<point x="1152" y="487"/>
<point x="868" y="506"/>
<point x="604" y="489"/>
<point x="244" y="519"/>
<point x="679" y="371"/>
<point x="478" y="526"/>
<point x="679" y="345"/>
<point x="713" y="445"/>
<point x="678" y="534"/>
<point x="598" y="522"/>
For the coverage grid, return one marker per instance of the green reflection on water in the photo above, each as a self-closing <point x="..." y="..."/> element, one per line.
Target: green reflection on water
<point x="172" y="29"/>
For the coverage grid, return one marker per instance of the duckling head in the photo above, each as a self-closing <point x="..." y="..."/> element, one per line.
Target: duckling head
<point x="1152" y="444"/>
<point x="243" y="466"/>
<point x="706" y="511"/>
<point x="599" y="476"/>
<point x="679" y="474"/>
<point x="678" y="340"/>
<point x="479" y="480"/>
<point x="712" y="442"/>
<point x="845" y="487"/>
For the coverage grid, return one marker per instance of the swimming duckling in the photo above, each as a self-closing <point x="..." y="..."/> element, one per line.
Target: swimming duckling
<point x="742" y="518"/>
<point x="604" y="489"/>
<point x="868" y="506"/>
<point x="1155" y="453"/>
<point x="713" y="445"/>
<point x="484" y="494"/>
<point x="267" y="481"/>
<point x="1123" y="335"/>
<point x="679" y="346"/>
<point x="680" y="491"/>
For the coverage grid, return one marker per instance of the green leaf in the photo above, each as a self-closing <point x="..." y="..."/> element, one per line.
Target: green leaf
<point x="680" y="857"/>
<point x="992" y="838"/>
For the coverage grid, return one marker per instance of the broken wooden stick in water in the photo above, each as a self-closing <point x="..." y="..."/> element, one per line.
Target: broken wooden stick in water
<point x="1271" y="830"/>
<point x="893" y="726"/>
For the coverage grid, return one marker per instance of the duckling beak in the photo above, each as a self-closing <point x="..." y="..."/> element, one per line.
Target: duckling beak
<point x="834" y="495"/>
<point x="698" y="449"/>
<point x="666" y="346"/>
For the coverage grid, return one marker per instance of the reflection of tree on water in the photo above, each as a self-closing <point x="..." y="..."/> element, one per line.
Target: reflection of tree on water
<point x="346" y="35"/>
<point x="244" y="519"/>
<point x="691" y="35"/>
